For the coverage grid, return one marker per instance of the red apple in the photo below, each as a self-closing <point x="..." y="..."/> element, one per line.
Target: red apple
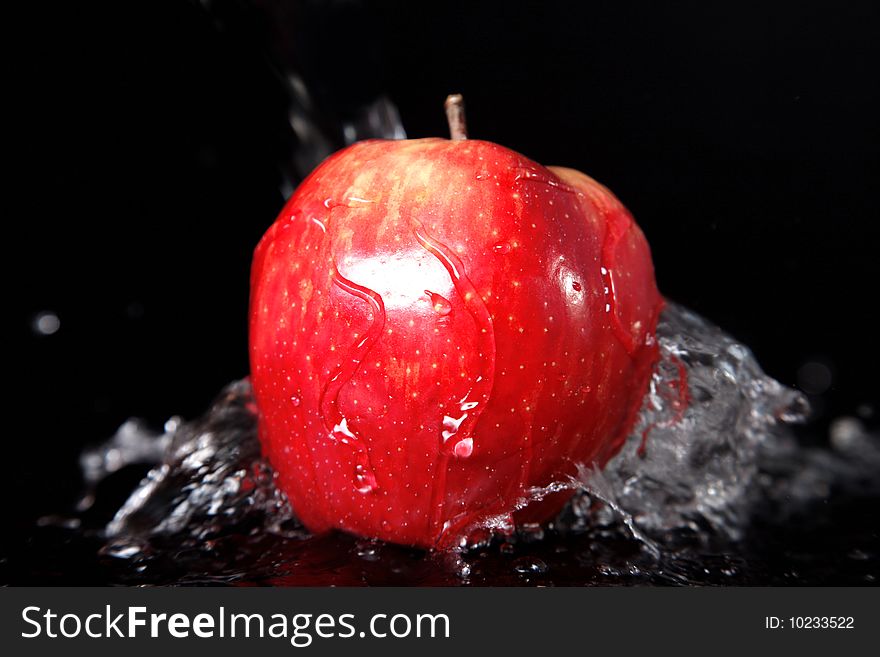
<point x="436" y="326"/>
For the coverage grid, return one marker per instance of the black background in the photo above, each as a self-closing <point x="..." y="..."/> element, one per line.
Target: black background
<point x="148" y="139"/>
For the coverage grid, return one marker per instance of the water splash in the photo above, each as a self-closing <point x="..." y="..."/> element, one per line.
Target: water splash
<point x="724" y="494"/>
<point x="700" y="464"/>
<point x="209" y="484"/>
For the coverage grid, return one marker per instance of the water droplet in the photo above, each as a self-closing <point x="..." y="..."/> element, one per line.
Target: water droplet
<point x="367" y="550"/>
<point x="502" y="248"/>
<point x="441" y="305"/>
<point x="296" y="401"/>
<point x="121" y="551"/>
<point x="577" y="287"/>
<point x="365" y="480"/>
<point x="531" y="532"/>
<point x="46" y="323"/>
<point x="464" y="448"/>
<point x="530" y="566"/>
<point x="342" y="428"/>
<point x="814" y="378"/>
<point x="451" y="425"/>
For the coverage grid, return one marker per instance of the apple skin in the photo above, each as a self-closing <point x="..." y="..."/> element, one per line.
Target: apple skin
<point x="436" y="327"/>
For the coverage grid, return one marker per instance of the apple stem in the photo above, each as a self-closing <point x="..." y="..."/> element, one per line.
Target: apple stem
<point x="454" y="107"/>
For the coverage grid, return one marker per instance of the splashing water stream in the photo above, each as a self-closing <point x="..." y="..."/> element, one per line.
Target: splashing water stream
<point x="719" y="491"/>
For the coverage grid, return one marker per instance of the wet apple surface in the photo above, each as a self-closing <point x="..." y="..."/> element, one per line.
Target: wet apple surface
<point x="438" y="327"/>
